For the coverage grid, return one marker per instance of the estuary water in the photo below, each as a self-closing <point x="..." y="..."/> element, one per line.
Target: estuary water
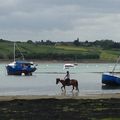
<point x="43" y="81"/>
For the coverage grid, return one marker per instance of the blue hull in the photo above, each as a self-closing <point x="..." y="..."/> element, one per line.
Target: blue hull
<point x="110" y="79"/>
<point x="18" y="71"/>
<point x="19" y="67"/>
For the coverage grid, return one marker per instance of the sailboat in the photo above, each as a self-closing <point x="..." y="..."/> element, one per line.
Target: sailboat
<point x="111" y="78"/>
<point x="20" y="67"/>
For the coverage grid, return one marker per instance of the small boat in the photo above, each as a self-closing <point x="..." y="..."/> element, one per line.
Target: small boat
<point x="20" y="67"/>
<point x="111" y="78"/>
<point x="69" y="65"/>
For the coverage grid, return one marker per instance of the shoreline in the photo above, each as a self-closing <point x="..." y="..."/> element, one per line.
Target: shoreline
<point x="60" y="61"/>
<point x="94" y="107"/>
<point x="33" y="97"/>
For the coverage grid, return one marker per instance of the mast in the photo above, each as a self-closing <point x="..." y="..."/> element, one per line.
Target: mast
<point x="20" y="52"/>
<point x="115" y="64"/>
<point x="14" y="51"/>
<point x="15" y="45"/>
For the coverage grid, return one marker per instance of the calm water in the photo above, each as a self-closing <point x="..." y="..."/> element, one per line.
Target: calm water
<point x="43" y="81"/>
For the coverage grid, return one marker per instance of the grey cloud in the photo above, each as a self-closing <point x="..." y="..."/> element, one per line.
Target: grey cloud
<point x="42" y="19"/>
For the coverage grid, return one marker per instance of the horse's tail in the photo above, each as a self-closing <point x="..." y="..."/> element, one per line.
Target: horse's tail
<point x="77" y="86"/>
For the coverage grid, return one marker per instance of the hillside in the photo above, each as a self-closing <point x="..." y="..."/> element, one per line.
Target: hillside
<point x="57" y="52"/>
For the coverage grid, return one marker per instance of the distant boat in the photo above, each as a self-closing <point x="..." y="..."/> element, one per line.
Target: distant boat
<point x="69" y="65"/>
<point x="20" y="67"/>
<point x="111" y="78"/>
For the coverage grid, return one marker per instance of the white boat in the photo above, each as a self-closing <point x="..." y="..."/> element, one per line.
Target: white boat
<point x="69" y="65"/>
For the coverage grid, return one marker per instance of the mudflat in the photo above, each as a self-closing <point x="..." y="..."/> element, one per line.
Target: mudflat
<point x="93" y="107"/>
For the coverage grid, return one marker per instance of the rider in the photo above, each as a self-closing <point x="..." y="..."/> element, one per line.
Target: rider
<point x="67" y="78"/>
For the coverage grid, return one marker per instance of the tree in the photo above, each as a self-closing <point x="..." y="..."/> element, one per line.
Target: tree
<point x="30" y="41"/>
<point x="76" y="42"/>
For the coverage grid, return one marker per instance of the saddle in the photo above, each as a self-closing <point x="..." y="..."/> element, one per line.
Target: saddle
<point x="67" y="82"/>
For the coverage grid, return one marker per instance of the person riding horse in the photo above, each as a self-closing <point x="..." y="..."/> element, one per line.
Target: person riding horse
<point x="67" y="78"/>
<point x="73" y="82"/>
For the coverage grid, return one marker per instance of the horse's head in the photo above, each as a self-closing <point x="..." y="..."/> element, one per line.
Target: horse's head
<point x="57" y="80"/>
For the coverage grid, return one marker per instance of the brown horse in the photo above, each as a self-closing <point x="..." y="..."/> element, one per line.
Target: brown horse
<point x="73" y="82"/>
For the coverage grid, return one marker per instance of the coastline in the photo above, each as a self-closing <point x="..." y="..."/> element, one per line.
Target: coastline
<point x="93" y="107"/>
<point x="33" y="97"/>
<point x="61" y="61"/>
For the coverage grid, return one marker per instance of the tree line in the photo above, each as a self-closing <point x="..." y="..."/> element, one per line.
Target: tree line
<point x="105" y="44"/>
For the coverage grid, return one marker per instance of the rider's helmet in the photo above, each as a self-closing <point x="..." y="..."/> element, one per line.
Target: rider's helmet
<point x="67" y="72"/>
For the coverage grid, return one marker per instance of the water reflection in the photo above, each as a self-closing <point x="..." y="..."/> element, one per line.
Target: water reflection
<point x="71" y="94"/>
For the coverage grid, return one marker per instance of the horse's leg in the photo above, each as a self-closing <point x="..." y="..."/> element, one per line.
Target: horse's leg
<point x="77" y="86"/>
<point x="77" y="89"/>
<point x="62" y="88"/>
<point x="73" y="88"/>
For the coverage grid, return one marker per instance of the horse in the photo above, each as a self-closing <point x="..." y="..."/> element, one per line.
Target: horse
<point x="73" y="82"/>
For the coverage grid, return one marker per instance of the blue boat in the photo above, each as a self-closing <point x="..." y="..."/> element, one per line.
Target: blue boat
<point x="20" y="67"/>
<point x="110" y="79"/>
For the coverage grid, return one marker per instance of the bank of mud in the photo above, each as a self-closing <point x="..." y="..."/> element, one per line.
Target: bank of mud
<point x="60" y="109"/>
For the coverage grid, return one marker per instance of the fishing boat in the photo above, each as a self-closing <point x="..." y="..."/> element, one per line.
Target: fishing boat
<point x="20" y="67"/>
<point x="111" y="78"/>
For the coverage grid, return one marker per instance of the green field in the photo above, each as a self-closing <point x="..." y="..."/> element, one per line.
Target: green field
<point x="57" y="52"/>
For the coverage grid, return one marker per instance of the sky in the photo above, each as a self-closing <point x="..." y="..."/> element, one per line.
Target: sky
<point x="60" y="20"/>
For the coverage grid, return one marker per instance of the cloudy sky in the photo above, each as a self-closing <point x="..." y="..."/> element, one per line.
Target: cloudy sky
<point x="60" y="20"/>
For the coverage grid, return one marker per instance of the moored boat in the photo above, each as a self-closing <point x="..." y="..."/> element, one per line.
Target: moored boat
<point x="110" y="79"/>
<point x="69" y="65"/>
<point x="20" y="67"/>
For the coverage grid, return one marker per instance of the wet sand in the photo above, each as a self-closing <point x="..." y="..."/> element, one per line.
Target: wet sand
<point x="62" y="96"/>
<point x="91" y="107"/>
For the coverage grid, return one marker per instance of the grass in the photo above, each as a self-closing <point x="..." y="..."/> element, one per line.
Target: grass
<point x="111" y="119"/>
<point x="6" y="50"/>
